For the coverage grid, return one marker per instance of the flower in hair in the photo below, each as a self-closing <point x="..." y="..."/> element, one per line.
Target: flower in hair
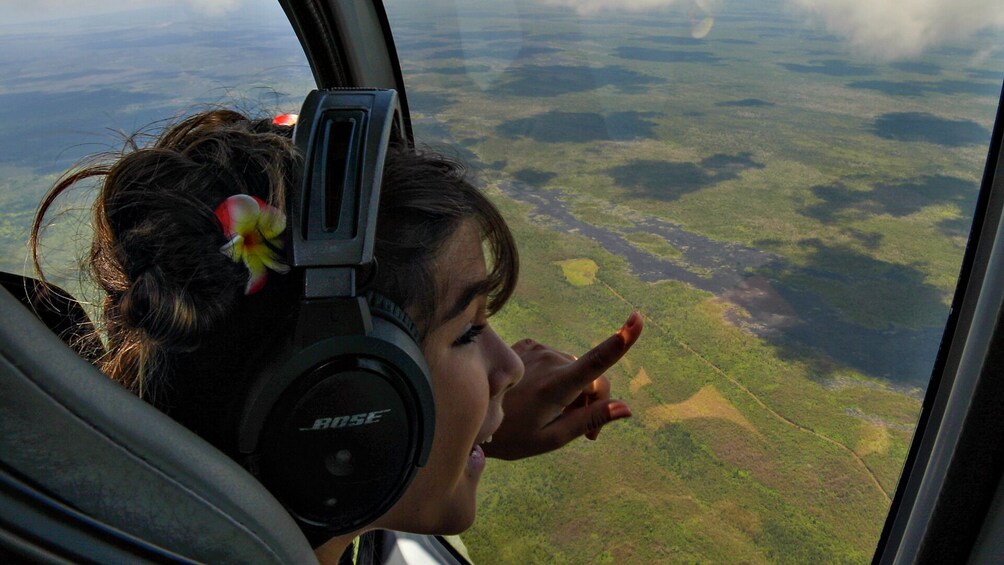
<point x="285" y="120"/>
<point x="252" y="229"/>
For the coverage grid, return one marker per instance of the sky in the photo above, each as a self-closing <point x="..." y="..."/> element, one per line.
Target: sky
<point x="882" y="29"/>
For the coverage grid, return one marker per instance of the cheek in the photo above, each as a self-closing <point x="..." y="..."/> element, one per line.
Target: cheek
<point x="460" y="386"/>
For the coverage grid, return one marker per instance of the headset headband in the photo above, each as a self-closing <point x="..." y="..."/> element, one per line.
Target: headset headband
<point x="344" y="136"/>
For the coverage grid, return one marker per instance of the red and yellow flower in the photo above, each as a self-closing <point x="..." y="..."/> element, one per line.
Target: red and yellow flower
<point x="253" y="229"/>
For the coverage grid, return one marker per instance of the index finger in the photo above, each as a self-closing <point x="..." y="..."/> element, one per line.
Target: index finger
<point x="597" y="360"/>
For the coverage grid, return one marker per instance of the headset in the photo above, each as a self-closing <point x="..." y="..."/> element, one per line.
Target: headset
<point x="338" y="426"/>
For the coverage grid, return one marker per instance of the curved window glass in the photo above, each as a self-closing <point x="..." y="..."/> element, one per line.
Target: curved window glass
<point x="79" y="78"/>
<point x="783" y="189"/>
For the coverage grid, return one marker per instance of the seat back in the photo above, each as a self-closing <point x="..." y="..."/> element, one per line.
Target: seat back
<point x="83" y="449"/>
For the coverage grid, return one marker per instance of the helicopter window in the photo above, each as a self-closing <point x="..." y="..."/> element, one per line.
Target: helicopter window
<point x="784" y="190"/>
<point x="78" y="78"/>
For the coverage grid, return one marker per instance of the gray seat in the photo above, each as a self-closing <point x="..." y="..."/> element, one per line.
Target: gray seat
<point x="90" y="472"/>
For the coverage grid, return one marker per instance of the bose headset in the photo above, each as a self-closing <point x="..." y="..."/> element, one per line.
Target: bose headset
<point x="337" y="428"/>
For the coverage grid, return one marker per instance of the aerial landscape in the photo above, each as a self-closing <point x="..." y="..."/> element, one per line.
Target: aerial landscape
<point x="788" y="212"/>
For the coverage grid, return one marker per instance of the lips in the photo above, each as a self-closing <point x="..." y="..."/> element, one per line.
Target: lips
<point x="476" y="460"/>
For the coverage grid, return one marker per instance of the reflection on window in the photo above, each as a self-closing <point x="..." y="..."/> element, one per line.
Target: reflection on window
<point x="76" y="80"/>
<point x="783" y="190"/>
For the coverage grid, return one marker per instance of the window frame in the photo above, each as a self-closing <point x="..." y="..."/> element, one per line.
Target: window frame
<point x="944" y="493"/>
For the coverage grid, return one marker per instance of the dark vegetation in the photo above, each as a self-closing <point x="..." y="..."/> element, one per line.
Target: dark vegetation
<point x="529" y="51"/>
<point x="895" y="199"/>
<point x="580" y="127"/>
<point x="830" y="67"/>
<point x="533" y="177"/>
<point x="918" y="67"/>
<point x="666" y="56"/>
<point x="858" y="310"/>
<point x="922" y="88"/>
<point x="986" y="74"/>
<point x="555" y="80"/>
<point x="458" y="70"/>
<point x="429" y="102"/>
<point x="745" y="103"/>
<point x="920" y="126"/>
<point x="664" y="180"/>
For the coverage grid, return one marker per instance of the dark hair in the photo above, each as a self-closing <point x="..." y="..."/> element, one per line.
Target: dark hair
<point x="177" y="325"/>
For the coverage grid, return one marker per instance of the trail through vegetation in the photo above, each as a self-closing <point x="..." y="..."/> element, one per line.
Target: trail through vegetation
<point x="718" y="370"/>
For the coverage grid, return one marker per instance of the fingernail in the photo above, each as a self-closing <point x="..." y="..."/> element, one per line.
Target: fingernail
<point x="618" y="410"/>
<point x="632" y="319"/>
<point x="623" y="332"/>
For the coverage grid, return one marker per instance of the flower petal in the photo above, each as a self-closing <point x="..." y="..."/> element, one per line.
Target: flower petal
<point x="256" y="282"/>
<point x="271" y="222"/>
<point x="234" y="248"/>
<point x="271" y="260"/>
<point x="243" y="211"/>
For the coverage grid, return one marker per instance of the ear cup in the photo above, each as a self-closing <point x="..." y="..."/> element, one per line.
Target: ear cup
<point x="339" y="448"/>
<point x="345" y="436"/>
<point x="386" y="308"/>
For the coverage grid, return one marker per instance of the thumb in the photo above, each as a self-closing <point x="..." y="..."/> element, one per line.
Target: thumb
<point x="587" y="421"/>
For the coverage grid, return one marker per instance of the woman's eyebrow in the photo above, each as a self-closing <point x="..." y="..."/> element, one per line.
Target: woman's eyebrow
<point x="471" y="292"/>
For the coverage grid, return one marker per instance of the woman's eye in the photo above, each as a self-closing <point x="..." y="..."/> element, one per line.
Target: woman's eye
<point x="470" y="336"/>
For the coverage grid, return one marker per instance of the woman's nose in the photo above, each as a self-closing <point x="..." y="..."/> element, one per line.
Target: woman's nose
<point x="507" y="367"/>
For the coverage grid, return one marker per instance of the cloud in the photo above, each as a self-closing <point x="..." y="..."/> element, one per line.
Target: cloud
<point x="16" y="11"/>
<point x="701" y="12"/>
<point x="896" y="29"/>
<point x="590" y="7"/>
<point x="884" y="29"/>
<point x="596" y="6"/>
<point x="213" y="7"/>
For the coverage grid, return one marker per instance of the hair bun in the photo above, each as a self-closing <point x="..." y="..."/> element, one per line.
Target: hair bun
<point x="167" y="316"/>
<point x="179" y="283"/>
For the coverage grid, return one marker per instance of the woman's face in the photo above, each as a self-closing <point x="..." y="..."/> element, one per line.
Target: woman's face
<point x="471" y="368"/>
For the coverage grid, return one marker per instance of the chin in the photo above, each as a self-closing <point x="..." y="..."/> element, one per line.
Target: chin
<point x="445" y="519"/>
<point x="453" y="520"/>
<point x="459" y="522"/>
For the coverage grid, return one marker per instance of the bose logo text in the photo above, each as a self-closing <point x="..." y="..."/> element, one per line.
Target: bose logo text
<point x="335" y="422"/>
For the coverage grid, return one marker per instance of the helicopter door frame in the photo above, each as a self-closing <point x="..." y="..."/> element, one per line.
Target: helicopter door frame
<point x="949" y="503"/>
<point x="348" y="44"/>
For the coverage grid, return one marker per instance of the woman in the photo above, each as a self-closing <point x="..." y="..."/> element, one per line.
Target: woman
<point x="189" y="312"/>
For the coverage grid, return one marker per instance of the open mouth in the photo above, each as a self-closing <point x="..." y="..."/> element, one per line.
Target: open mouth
<point x="476" y="460"/>
<point x="477" y="448"/>
<point x="485" y="437"/>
